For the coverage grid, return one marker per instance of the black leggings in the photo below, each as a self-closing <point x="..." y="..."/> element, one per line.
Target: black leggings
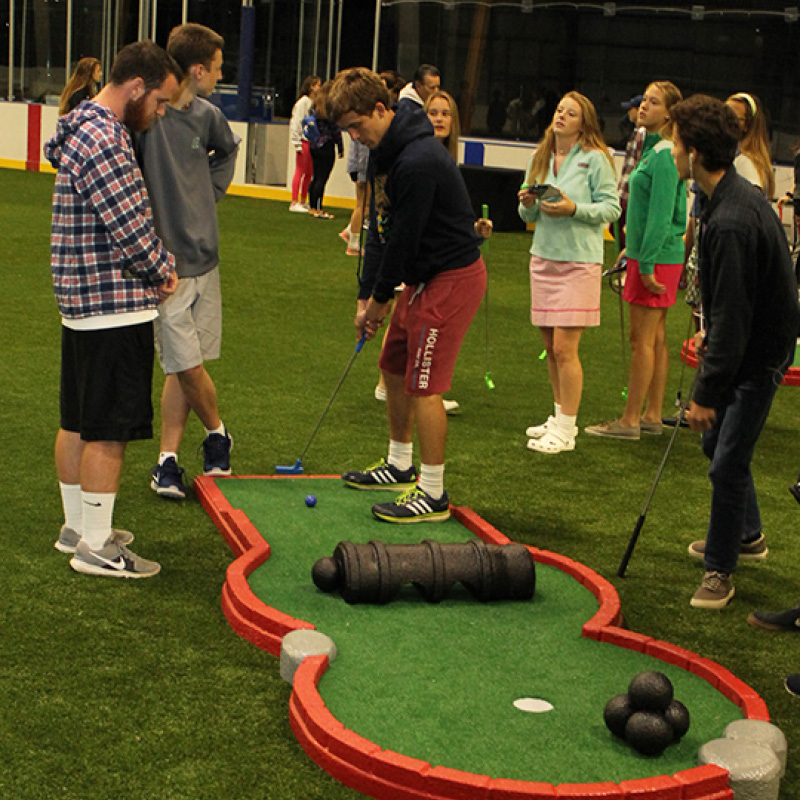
<point x="323" y="159"/>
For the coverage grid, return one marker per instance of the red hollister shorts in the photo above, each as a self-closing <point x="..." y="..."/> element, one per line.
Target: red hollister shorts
<point x="428" y="324"/>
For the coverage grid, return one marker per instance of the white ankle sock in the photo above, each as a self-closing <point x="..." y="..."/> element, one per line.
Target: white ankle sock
<point x="556" y="410"/>
<point x="98" y="511"/>
<point x="566" y="424"/>
<point x="431" y="479"/>
<point x="220" y="430"/>
<point x="354" y="241"/>
<point x="73" y="506"/>
<point x="164" y="455"/>
<point x="401" y="454"/>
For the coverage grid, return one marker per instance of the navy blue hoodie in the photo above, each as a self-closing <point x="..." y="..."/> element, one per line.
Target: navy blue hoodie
<point x="421" y="219"/>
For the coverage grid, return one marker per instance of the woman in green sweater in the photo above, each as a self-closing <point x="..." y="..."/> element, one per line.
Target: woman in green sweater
<point x="655" y="252"/>
<point x="567" y="252"/>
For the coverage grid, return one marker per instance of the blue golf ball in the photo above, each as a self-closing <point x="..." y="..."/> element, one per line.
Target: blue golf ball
<point x="311" y="501"/>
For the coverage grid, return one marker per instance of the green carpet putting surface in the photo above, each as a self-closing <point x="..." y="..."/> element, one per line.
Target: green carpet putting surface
<point x="448" y="684"/>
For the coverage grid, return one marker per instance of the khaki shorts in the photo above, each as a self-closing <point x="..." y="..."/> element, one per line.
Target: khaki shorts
<point x="189" y="325"/>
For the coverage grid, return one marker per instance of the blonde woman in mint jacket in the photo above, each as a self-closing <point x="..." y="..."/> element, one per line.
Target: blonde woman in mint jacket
<point x="567" y="253"/>
<point x="655" y="251"/>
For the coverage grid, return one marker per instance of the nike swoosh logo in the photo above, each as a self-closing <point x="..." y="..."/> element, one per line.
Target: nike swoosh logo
<point x="118" y="564"/>
<point x="88" y="503"/>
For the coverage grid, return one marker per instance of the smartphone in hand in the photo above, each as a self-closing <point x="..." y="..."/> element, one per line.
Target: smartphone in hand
<point x="537" y="190"/>
<point x="546" y="192"/>
<point x="551" y="195"/>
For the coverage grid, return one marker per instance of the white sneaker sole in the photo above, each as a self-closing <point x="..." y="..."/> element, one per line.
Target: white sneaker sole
<point x="442" y="516"/>
<point x="713" y="604"/>
<point x="79" y="565"/>
<point x="170" y="492"/>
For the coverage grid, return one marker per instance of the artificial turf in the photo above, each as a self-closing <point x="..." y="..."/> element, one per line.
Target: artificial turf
<point x="438" y="682"/>
<point x="142" y="691"/>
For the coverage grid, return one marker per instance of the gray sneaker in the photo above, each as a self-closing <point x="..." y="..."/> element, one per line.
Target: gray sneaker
<point x="750" y="551"/>
<point x="68" y="539"/>
<point x="715" y="591"/>
<point x="112" y="561"/>
<point x="614" y="430"/>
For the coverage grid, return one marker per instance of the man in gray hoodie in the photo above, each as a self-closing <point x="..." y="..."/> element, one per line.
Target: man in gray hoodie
<point x="188" y="161"/>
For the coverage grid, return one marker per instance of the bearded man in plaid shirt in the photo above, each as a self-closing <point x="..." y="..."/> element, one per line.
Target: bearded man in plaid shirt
<point x="110" y="271"/>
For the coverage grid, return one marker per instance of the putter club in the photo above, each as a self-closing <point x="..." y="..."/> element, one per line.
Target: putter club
<point x="623" y="565"/>
<point x="297" y="467"/>
<point x="614" y="275"/>
<point x="488" y="375"/>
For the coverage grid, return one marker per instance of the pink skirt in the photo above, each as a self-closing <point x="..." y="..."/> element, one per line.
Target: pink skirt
<point x="565" y="294"/>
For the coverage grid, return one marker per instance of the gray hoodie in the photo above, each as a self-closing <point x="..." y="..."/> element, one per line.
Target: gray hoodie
<point x="188" y="157"/>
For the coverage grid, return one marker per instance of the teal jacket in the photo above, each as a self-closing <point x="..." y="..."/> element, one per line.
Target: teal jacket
<point x="589" y="180"/>
<point x="656" y="208"/>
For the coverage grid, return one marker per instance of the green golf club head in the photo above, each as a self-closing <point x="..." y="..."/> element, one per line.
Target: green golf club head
<point x="489" y="381"/>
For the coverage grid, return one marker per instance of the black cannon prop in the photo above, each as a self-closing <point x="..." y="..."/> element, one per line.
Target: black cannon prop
<point x="375" y="572"/>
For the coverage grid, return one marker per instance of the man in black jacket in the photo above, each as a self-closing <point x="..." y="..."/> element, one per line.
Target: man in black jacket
<point x="749" y="297"/>
<point x="421" y="235"/>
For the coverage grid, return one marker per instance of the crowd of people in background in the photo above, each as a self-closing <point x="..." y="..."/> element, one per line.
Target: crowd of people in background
<point x="420" y="266"/>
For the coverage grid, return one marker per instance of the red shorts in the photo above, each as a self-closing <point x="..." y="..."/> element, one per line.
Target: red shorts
<point x="428" y="326"/>
<point x="635" y="293"/>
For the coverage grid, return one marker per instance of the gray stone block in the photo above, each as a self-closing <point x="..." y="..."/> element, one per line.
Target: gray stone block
<point x="297" y="645"/>
<point x="754" y="769"/>
<point x="758" y="731"/>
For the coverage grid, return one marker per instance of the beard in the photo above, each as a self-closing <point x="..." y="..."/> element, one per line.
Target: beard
<point x="135" y="116"/>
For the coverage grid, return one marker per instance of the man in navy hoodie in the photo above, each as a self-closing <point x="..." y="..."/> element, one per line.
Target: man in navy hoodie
<point x="422" y="235"/>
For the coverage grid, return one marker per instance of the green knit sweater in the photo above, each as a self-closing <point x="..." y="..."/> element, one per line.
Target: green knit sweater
<point x="656" y="208"/>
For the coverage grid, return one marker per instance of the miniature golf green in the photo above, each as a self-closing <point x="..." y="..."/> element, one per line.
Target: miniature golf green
<point x="439" y="682"/>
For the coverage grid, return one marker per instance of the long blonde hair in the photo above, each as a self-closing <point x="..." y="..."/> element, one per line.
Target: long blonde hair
<point x="82" y="76"/>
<point x="755" y="139"/>
<point x="672" y="94"/>
<point x="451" y="142"/>
<point x="591" y="138"/>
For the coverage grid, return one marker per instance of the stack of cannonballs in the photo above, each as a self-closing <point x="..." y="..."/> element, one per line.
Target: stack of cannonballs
<point x="647" y="717"/>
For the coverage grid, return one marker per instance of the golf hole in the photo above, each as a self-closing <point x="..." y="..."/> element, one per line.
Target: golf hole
<point x="533" y="705"/>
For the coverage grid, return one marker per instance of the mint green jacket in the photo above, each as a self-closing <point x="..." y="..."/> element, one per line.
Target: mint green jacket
<point x="589" y="180"/>
<point x="656" y="208"/>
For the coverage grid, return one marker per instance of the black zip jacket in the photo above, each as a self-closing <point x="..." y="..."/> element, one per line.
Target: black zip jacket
<point x="748" y="288"/>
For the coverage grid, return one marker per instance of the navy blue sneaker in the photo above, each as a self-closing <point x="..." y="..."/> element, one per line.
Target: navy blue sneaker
<point x="381" y="475"/>
<point x="776" y="621"/>
<point x="217" y="453"/>
<point x="414" y="505"/>
<point x="168" y="480"/>
<point x="792" y="685"/>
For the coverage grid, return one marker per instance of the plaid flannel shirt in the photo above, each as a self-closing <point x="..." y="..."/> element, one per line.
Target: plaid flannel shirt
<point x="633" y="152"/>
<point x="105" y="256"/>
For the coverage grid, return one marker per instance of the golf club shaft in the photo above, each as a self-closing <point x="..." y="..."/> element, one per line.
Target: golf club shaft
<point x="333" y="396"/>
<point x="623" y="565"/>
<point x="640" y="523"/>
<point x="487" y="376"/>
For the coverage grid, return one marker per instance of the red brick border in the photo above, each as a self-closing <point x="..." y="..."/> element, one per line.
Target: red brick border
<point x="386" y="775"/>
